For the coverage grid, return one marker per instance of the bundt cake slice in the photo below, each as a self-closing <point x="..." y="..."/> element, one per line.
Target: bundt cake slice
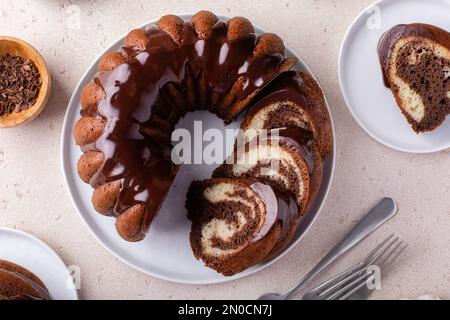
<point x="415" y="61"/>
<point x="235" y="222"/>
<point x="278" y="157"/>
<point x="293" y="99"/>
<point x="17" y="283"/>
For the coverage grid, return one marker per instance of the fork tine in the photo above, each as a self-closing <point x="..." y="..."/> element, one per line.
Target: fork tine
<point x="381" y="253"/>
<point x="374" y="256"/>
<point x="341" y="282"/>
<point x="357" y="284"/>
<point x="355" y="289"/>
<point x="393" y="255"/>
<point x="338" y="281"/>
<point x="332" y="281"/>
<point x="343" y="291"/>
<point x="378" y="247"/>
<point x="382" y="260"/>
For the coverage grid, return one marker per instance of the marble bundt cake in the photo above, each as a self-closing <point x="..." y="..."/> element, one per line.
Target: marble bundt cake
<point x="415" y="61"/>
<point x="17" y="283"/>
<point x="130" y="108"/>
<point x="246" y="213"/>
<point x="287" y="158"/>
<point x="236" y="223"/>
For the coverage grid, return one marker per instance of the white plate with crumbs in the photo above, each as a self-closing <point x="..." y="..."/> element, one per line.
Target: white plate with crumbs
<point x="31" y="253"/>
<point x="165" y="253"/>
<point x="372" y="104"/>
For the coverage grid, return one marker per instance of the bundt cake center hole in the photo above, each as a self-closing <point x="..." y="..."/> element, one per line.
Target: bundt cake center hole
<point x="201" y="138"/>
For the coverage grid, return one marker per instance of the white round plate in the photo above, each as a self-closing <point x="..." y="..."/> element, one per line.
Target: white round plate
<point x="369" y="101"/>
<point x="33" y="254"/>
<point x="165" y="252"/>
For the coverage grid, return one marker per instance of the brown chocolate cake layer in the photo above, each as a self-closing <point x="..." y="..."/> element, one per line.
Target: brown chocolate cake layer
<point x="415" y="61"/>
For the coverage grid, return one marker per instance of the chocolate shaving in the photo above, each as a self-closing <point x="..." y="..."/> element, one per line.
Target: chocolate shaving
<point x="20" y="83"/>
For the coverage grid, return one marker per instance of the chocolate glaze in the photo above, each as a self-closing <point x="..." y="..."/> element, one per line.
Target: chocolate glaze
<point x="278" y="207"/>
<point x="384" y="46"/>
<point x="41" y="290"/>
<point x="299" y="139"/>
<point x="132" y="89"/>
<point x="287" y="87"/>
<point x="266" y="193"/>
<point x="390" y="37"/>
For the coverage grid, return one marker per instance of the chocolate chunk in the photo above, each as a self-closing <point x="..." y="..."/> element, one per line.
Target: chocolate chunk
<point x="20" y="83"/>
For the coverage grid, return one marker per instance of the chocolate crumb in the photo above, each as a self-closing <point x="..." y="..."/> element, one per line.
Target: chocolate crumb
<point x="20" y="83"/>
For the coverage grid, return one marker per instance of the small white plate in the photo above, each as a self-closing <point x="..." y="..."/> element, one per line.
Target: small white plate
<point x="165" y="253"/>
<point x="31" y="253"/>
<point x="369" y="101"/>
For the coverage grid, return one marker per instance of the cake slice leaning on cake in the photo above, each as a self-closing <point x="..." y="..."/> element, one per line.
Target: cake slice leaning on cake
<point x="415" y="61"/>
<point x="296" y="102"/>
<point x="236" y="223"/>
<point x="293" y="99"/>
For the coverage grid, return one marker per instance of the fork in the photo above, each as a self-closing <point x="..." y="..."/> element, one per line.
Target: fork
<point x="383" y="211"/>
<point x="353" y="283"/>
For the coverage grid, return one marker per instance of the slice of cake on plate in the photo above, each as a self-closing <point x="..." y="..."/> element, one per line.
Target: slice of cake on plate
<point x="18" y="283"/>
<point x="415" y="61"/>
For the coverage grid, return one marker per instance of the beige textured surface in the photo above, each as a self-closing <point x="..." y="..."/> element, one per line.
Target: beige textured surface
<point x="33" y="196"/>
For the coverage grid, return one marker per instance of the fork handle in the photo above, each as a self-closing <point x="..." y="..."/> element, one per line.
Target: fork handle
<point x="383" y="211"/>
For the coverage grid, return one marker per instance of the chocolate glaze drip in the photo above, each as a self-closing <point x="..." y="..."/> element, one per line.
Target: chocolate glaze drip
<point x="390" y="37"/>
<point x="384" y="46"/>
<point x="300" y="139"/>
<point x="279" y="206"/>
<point x="287" y="87"/>
<point x="132" y="89"/>
<point x="42" y="291"/>
<point x="270" y="200"/>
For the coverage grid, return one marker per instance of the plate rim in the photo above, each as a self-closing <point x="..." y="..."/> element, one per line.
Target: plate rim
<point x="344" y="47"/>
<point x="49" y="249"/>
<point x="64" y="161"/>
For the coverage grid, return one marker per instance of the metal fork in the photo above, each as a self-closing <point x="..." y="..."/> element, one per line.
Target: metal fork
<point x="353" y="282"/>
<point x="382" y="212"/>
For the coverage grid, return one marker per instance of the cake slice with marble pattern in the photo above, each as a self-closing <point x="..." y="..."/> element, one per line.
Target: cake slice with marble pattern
<point x="415" y="61"/>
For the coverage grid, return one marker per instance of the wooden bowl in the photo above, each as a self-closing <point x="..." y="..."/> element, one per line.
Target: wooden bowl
<point x="20" y="48"/>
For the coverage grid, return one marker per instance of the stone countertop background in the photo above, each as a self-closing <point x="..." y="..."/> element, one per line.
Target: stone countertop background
<point x="33" y="196"/>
